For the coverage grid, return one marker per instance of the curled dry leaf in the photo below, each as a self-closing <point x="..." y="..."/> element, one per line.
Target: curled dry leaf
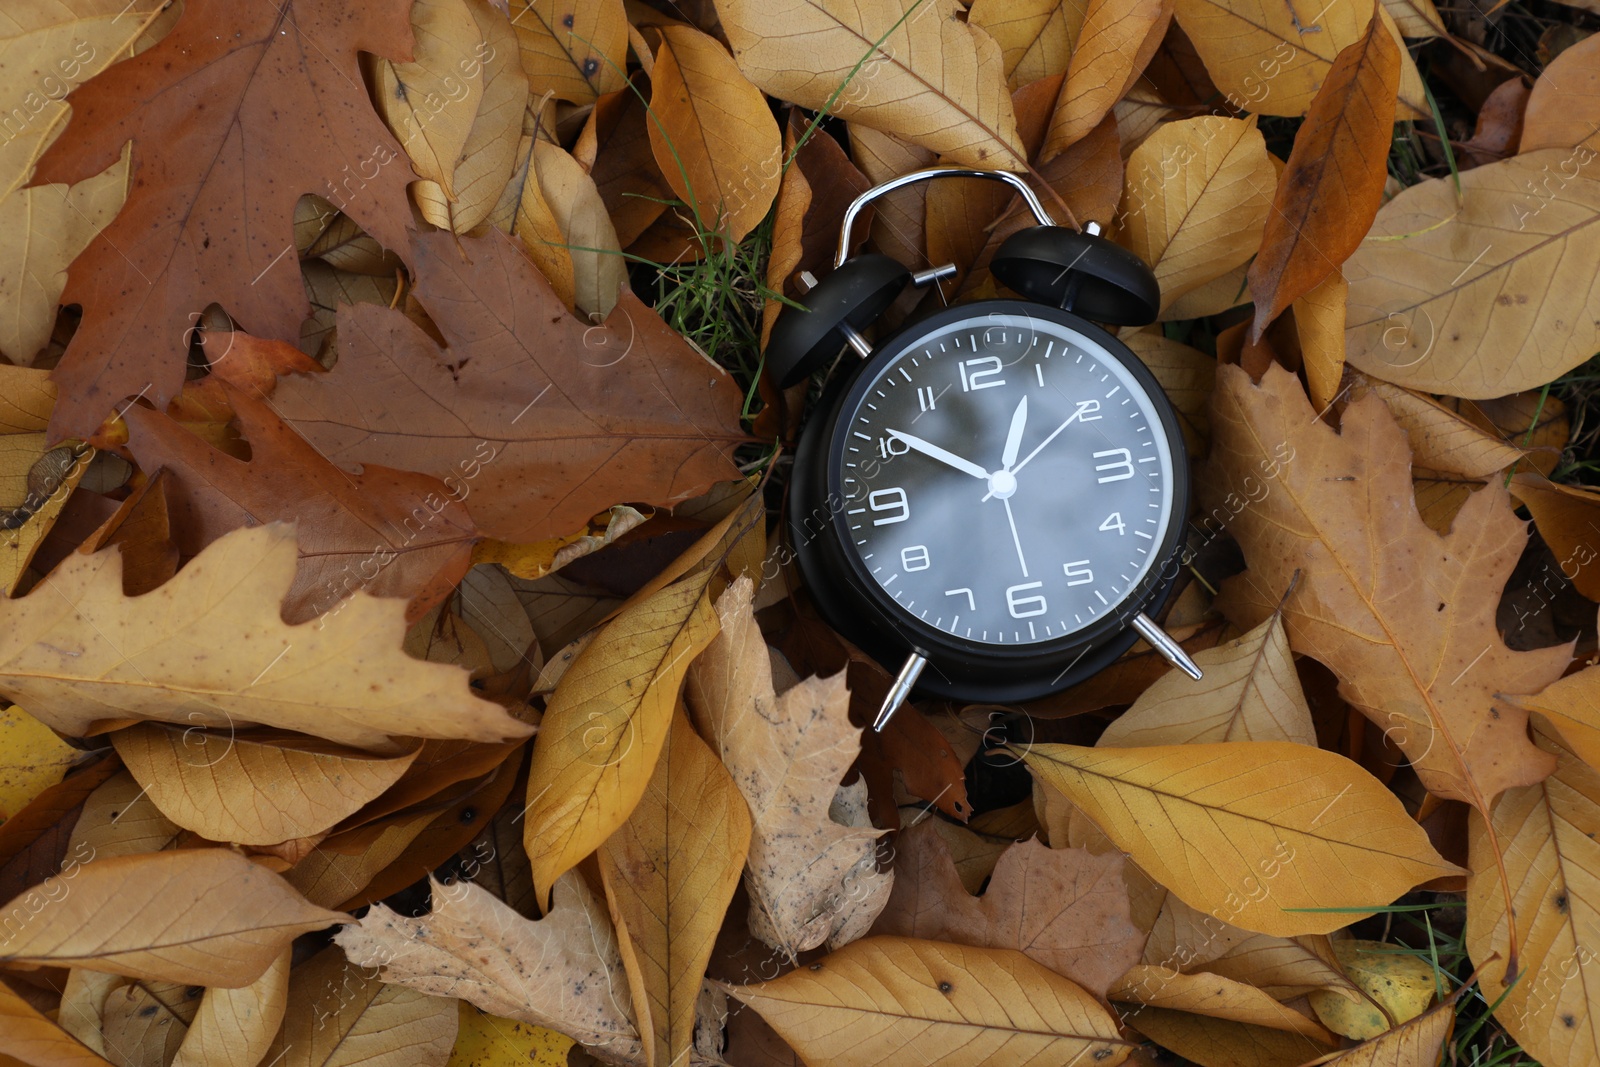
<point x="1195" y="200"/>
<point x="811" y="879"/>
<point x="1441" y="439"/>
<point x="585" y="235"/>
<point x="563" y="972"/>
<point x="30" y="1038"/>
<point x="890" y="1000"/>
<point x="1213" y="1042"/>
<point x="1214" y="996"/>
<point x="713" y="134"/>
<point x="426" y="101"/>
<point x="1112" y="47"/>
<point x="1488" y="296"/>
<point x="209" y="649"/>
<point x="205" y="917"/>
<point x="355" y="531"/>
<point x="340" y="1017"/>
<point x="1066" y="908"/>
<point x="1250" y="692"/>
<point x="252" y="789"/>
<point x="670" y="872"/>
<point x="607" y="723"/>
<point x="567" y="418"/>
<point x="1248" y="830"/>
<point x="1283" y="967"/>
<point x="1404" y="617"/>
<point x="914" y="68"/>
<point x="210" y="211"/>
<point x="1548" y="833"/>
<point x="1417" y="1043"/>
<point x="235" y="1027"/>
<point x="575" y="49"/>
<point x="1332" y="185"/>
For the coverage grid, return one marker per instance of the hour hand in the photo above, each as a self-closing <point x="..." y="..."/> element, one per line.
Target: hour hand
<point x="933" y="451"/>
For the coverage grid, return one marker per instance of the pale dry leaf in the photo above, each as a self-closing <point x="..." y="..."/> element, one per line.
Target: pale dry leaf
<point x="1036" y="37"/>
<point x="892" y="1000"/>
<point x="528" y="216"/>
<point x="252" y="789"/>
<point x="670" y="872"/>
<point x="1065" y="907"/>
<point x="1196" y="199"/>
<point x="1567" y="517"/>
<point x="339" y="1016"/>
<point x="1404" y="618"/>
<point x="1441" y="439"/>
<point x="1283" y="967"/>
<point x="1416" y="18"/>
<point x="713" y="134"/>
<point x="811" y="878"/>
<point x="1486" y="296"/>
<point x="1215" y="996"/>
<point x="200" y="916"/>
<point x="120" y="819"/>
<point x="914" y="68"/>
<point x="1548" y="833"/>
<point x="599" y="271"/>
<point x="1564" y="107"/>
<point x="607" y="723"/>
<point x="1247" y="830"/>
<point x="77" y="652"/>
<point x="1112" y="47"/>
<point x="27" y="397"/>
<point x="563" y="971"/>
<point x="83" y="1000"/>
<point x="144" y="1023"/>
<point x="1250" y="692"/>
<point x="428" y="103"/>
<point x="235" y="1027"/>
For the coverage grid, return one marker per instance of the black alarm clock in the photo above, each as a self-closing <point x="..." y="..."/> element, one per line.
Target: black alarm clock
<point x="992" y="500"/>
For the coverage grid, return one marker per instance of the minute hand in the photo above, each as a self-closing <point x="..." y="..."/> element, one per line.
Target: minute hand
<point x="933" y="451"/>
<point x="1083" y="406"/>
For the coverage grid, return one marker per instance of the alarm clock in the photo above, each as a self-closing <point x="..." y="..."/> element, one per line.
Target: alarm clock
<point x="991" y="501"/>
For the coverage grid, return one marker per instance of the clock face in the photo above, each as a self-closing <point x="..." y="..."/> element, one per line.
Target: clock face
<point x="1004" y="479"/>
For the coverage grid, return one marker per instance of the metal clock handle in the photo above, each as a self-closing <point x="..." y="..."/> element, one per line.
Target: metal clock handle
<point x="928" y="174"/>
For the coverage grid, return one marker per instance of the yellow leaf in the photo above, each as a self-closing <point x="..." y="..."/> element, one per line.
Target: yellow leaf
<point x="1112" y="47"/>
<point x="209" y="648"/>
<point x="606" y="724"/>
<point x="1214" y="996"/>
<point x="1402" y="985"/>
<point x="198" y="916"/>
<point x="563" y="971"/>
<point x="235" y="1027"/>
<point x="252" y="789"/>
<point x="1548" y="833"/>
<point x="670" y="872"/>
<point x="541" y="558"/>
<point x="1246" y="830"/>
<point x="480" y="172"/>
<point x="1035" y="36"/>
<point x="1250" y="692"/>
<point x="893" y="1000"/>
<point x="1319" y="326"/>
<point x="340" y="1016"/>
<point x="914" y="68"/>
<point x="1488" y="296"/>
<point x="429" y="103"/>
<point x="713" y="133"/>
<point x="573" y="48"/>
<point x="33" y="1039"/>
<point x="486" y="1040"/>
<point x="811" y="879"/>
<point x="1417" y="1043"/>
<point x="1196" y="198"/>
<point x="32" y="759"/>
<point x="1404" y="617"/>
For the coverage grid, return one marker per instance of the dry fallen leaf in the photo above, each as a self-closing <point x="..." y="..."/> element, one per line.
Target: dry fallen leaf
<point x="1109" y="53"/>
<point x="573" y="49"/>
<point x="32" y="759"/>
<point x="339" y="1016"/>
<point x="1214" y="996"/>
<point x="1440" y="439"/>
<point x="606" y="725"/>
<point x="566" y="419"/>
<point x="1398" y="987"/>
<point x="252" y="788"/>
<point x="1566" y="517"/>
<point x="1247" y="830"/>
<point x="1196" y="199"/>
<point x="32" y="1039"/>
<point x="890" y="1000"/>
<point x="913" y="68"/>
<point x="1564" y="106"/>
<point x="76" y="652"/>
<point x="1404" y="617"/>
<point x="1035" y="36"/>
<point x="1332" y="185"/>
<point x="198" y="916"/>
<point x="670" y="872"/>
<point x="1548" y="833"/>
<point x="1065" y="908"/>
<point x="426" y="101"/>
<point x="811" y="878"/>
<point x="235" y="1027"/>
<point x="563" y="971"/>
<point x="1487" y="296"/>
<point x="1418" y="1043"/>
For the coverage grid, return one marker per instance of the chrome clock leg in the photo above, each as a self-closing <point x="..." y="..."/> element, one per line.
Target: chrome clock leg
<point x="910" y="671"/>
<point x="1170" y="650"/>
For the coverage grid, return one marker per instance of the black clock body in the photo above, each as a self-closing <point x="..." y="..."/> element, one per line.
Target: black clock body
<point x="1013" y="587"/>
